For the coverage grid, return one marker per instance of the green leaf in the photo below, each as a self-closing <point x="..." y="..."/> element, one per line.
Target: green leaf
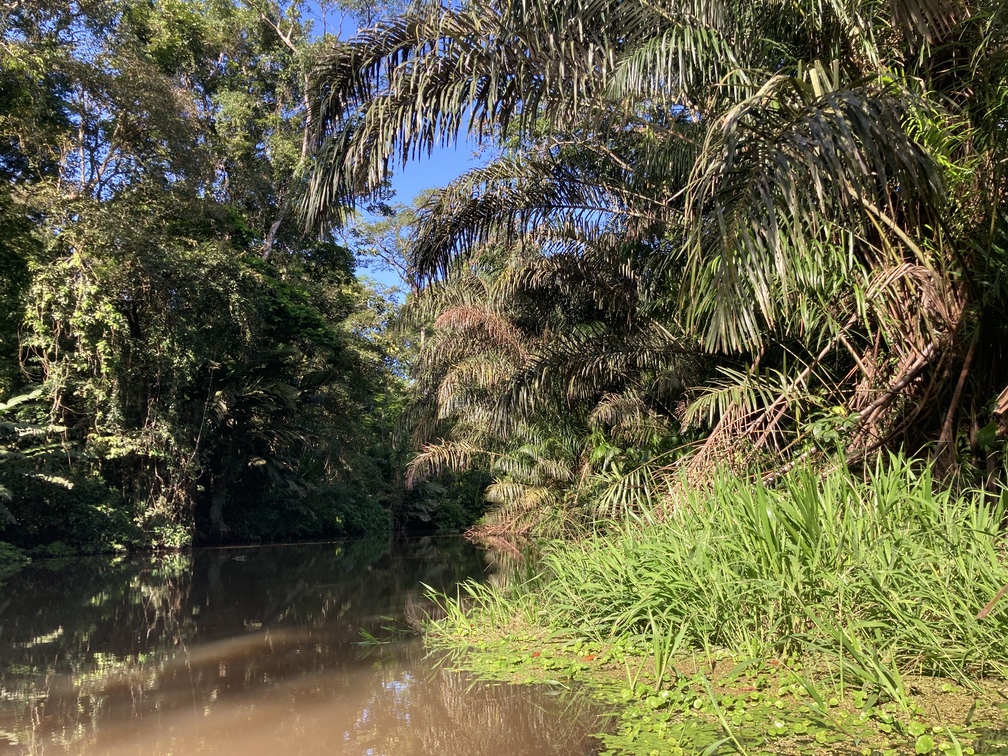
<point x="987" y="436"/>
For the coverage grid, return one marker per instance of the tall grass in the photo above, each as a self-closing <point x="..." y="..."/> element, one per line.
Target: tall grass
<point x="884" y="574"/>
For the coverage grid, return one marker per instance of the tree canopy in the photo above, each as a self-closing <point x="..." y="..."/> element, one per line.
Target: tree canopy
<point x="188" y="363"/>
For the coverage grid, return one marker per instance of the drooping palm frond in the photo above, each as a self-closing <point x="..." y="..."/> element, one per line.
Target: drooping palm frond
<point x="521" y="509"/>
<point x="634" y="488"/>
<point x="500" y="334"/>
<point x="464" y="289"/>
<point x="485" y="69"/>
<point x="929" y="20"/>
<point x="740" y="394"/>
<point x="427" y="77"/>
<point x="795" y="175"/>
<point x="547" y="373"/>
<point x="692" y="64"/>
<point x="512" y="200"/>
<point x="630" y="417"/>
<point x="434" y="458"/>
<point x="578" y="367"/>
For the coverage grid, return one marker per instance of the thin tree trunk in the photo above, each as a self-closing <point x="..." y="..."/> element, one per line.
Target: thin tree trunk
<point x="946" y="449"/>
<point x="271" y="234"/>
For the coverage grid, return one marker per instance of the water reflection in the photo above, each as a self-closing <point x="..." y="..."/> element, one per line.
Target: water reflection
<point x="254" y="651"/>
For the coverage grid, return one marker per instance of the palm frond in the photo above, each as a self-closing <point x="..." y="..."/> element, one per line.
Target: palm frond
<point x="787" y="171"/>
<point x="438" y="457"/>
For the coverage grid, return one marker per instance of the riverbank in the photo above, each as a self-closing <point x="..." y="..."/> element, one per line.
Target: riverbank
<point x="724" y="704"/>
<point x="833" y="614"/>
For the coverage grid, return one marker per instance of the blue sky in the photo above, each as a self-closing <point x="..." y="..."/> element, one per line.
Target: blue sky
<point x="435" y="171"/>
<point x="441" y="167"/>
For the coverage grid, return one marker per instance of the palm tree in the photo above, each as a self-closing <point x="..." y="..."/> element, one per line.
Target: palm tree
<point x="810" y="197"/>
<point x="535" y="365"/>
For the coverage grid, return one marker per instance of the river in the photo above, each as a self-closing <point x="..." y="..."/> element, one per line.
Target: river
<point x="300" y="649"/>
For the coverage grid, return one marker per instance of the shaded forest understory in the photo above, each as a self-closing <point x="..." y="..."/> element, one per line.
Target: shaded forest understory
<point x="732" y="236"/>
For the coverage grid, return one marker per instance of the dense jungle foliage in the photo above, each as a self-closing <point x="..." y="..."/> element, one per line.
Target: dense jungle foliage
<point x="741" y="234"/>
<point x="750" y="235"/>
<point x="179" y="359"/>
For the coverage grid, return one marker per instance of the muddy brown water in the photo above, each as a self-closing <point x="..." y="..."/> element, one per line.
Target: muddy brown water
<point x="258" y="651"/>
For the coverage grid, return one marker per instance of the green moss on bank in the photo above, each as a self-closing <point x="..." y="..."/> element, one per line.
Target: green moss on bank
<point x="719" y="704"/>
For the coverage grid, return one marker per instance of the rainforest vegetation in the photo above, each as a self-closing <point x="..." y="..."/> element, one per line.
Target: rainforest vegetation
<point x="180" y="360"/>
<point x="720" y="316"/>
<point x="742" y="236"/>
<point x="723" y="316"/>
<point x="729" y="236"/>
<point x="750" y="235"/>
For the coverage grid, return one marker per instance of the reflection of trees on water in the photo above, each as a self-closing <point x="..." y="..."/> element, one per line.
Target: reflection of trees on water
<point x="74" y="631"/>
<point x="92" y="647"/>
<point x="450" y="713"/>
<point x="402" y="707"/>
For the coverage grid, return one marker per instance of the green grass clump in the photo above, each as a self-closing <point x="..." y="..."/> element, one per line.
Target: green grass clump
<point x="878" y="576"/>
<point x="831" y="613"/>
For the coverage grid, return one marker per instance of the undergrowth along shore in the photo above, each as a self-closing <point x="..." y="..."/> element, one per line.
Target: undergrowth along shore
<point x="829" y="613"/>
